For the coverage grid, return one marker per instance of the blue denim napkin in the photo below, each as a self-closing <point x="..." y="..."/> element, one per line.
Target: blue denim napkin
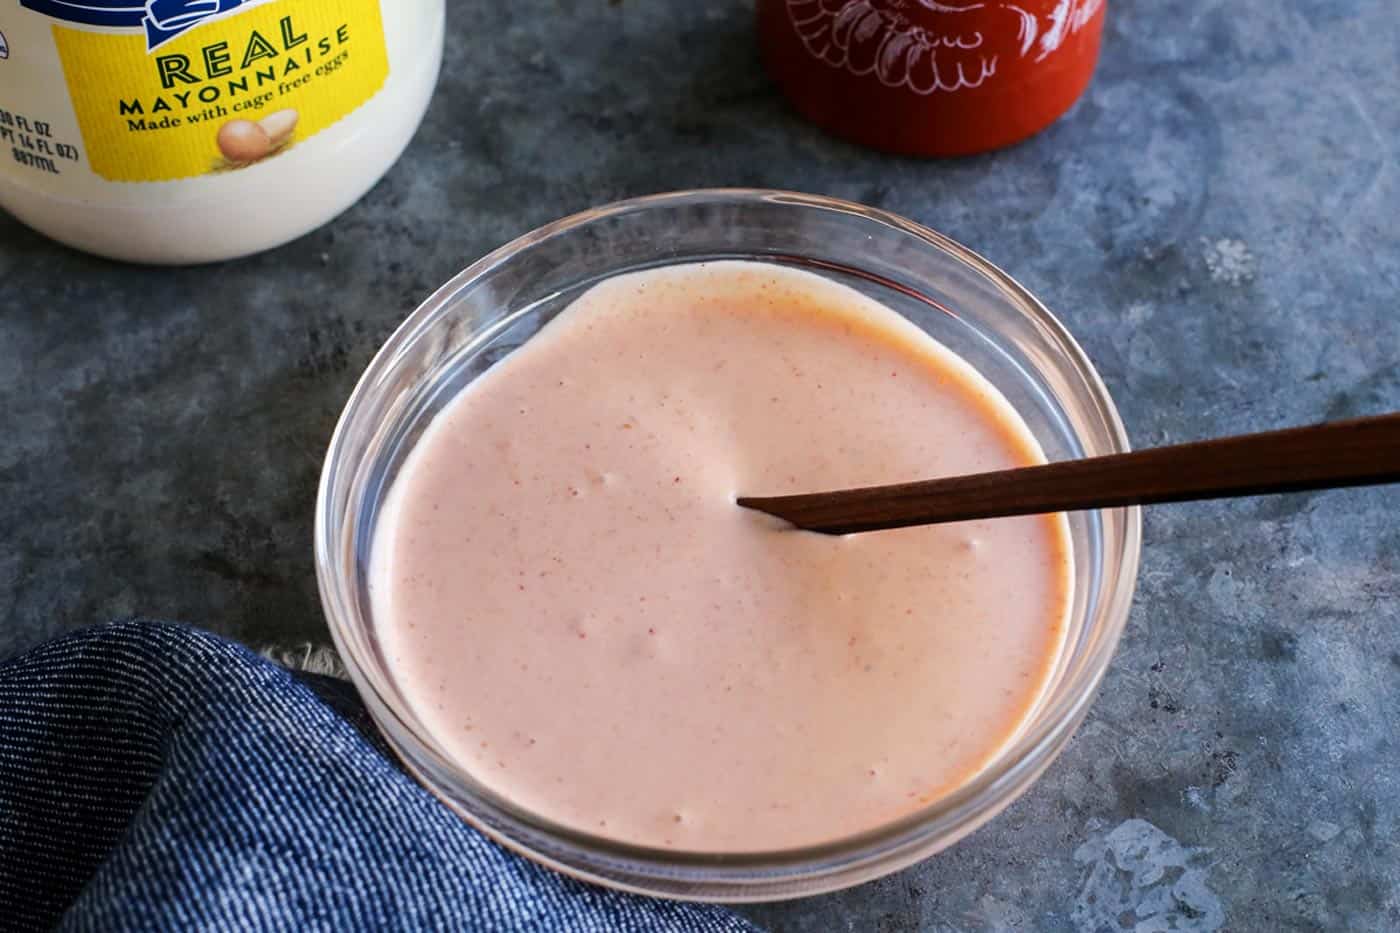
<point x="156" y="777"/>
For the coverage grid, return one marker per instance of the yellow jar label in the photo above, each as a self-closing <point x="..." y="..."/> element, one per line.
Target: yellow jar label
<point x="224" y="93"/>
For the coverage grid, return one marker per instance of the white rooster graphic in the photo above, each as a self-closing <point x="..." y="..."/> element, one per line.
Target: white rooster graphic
<point x="905" y="46"/>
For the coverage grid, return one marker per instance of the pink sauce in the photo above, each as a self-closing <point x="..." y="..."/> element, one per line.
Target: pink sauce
<point x="576" y="610"/>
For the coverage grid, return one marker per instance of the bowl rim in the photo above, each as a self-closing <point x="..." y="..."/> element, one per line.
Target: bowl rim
<point x="947" y="818"/>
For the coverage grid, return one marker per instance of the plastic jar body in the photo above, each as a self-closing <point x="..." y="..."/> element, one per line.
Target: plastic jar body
<point x="163" y="136"/>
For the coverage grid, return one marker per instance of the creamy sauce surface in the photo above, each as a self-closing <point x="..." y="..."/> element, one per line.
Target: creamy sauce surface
<point x="579" y="614"/>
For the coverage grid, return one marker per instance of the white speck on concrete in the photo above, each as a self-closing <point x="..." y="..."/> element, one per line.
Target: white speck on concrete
<point x="995" y="914"/>
<point x="1139" y="313"/>
<point x="1196" y="799"/>
<point x="1229" y="261"/>
<point x="1139" y="878"/>
<point x="1323" y="831"/>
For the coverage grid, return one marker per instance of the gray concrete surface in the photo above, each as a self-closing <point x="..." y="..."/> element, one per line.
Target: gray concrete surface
<point x="1215" y="221"/>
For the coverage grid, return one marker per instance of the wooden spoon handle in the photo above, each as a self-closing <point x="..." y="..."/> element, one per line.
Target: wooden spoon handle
<point x="1362" y="452"/>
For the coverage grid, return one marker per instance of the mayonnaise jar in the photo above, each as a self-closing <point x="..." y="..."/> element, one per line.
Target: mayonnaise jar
<point x="186" y="131"/>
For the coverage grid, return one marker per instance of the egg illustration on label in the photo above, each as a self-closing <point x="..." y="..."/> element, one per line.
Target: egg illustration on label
<point x="933" y="45"/>
<point x="279" y="126"/>
<point x="243" y="142"/>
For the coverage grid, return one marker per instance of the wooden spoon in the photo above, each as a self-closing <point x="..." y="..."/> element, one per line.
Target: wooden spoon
<point x="1362" y="452"/>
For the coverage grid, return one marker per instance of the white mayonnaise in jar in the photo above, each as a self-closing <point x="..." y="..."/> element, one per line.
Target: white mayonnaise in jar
<point x="185" y="131"/>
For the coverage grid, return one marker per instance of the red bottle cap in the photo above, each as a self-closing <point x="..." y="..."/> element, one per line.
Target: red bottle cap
<point x="931" y="77"/>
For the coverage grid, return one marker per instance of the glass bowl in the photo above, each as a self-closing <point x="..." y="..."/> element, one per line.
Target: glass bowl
<point x="499" y="302"/>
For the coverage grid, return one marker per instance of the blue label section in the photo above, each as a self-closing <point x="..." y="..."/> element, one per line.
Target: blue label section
<point x="91" y="12"/>
<point x="166" y="19"/>
<point x="163" y="20"/>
